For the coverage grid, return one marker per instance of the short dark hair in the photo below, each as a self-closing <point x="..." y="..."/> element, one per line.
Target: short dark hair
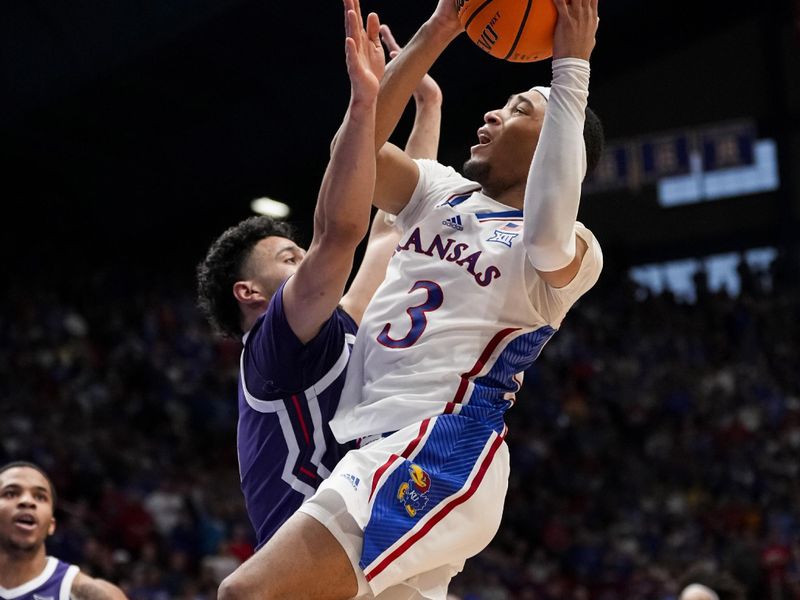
<point x="17" y="464"/>
<point x="594" y="138"/>
<point x="222" y="267"/>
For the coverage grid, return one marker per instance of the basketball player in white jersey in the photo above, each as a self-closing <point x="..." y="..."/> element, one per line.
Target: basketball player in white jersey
<point x="485" y="271"/>
<point x="27" y="500"/>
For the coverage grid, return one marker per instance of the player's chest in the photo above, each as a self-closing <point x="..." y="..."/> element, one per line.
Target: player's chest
<point x="485" y="246"/>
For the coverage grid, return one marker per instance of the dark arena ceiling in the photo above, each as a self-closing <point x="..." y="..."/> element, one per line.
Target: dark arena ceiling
<point x="144" y="128"/>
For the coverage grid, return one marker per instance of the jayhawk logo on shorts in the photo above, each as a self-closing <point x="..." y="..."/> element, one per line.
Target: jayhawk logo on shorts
<point x="413" y="494"/>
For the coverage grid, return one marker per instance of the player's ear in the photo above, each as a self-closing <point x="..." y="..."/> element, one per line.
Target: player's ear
<point x="248" y="292"/>
<point x="52" y="529"/>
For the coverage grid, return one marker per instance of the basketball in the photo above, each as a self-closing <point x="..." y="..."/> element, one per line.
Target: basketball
<point x="513" y="30"/>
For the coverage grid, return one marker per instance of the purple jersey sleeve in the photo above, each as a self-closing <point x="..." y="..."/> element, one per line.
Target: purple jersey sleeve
<point x="276" y="363"/>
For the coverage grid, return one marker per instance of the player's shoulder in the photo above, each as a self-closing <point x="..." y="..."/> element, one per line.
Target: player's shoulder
<point x="438" y="183"/>
<point x="85" y="587"/>
<point x="432" y="172"/>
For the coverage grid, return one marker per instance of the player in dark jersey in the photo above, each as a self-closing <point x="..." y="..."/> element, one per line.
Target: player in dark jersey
<point x="256" y="283"/>
<point x="27" y="499"/>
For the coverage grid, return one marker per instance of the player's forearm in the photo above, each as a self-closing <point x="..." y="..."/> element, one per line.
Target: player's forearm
<point x="381" y="244"/>
<point x="405" y="71"/>
<point x="345" y="197"/>
<point x="553" y="190"/>
<point x="423" y="142"/>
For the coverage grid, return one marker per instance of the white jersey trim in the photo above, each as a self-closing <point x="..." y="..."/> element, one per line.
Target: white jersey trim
<point x="291" y="457"/>
<point x="39" y="580"/>
<point x="271" y="406"/>
<point x="66" y="583"/>
<point x="279" y="407"/>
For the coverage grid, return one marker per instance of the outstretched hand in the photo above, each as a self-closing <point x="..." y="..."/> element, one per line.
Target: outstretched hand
<point x="446" y="16"/>
<point x="364" y="53"/>
<point x="575" y="28"/>
<point x="427" y="90"/>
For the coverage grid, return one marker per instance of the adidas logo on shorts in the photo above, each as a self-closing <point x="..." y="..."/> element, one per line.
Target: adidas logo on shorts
<point x="354" y="481"/>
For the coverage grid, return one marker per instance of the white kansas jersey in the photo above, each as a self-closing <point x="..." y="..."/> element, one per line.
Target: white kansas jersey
<point x="460" y="314"/>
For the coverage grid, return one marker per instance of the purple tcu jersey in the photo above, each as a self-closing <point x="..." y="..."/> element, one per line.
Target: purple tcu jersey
<point x="288" y="391"/>
<point x="53" y="583"/>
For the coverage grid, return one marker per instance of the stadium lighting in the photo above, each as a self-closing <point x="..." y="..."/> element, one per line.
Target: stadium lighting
<point x="270" y="207"/>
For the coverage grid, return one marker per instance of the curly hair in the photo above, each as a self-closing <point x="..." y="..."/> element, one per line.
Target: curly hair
<point x="222" y="267"/>
<point x="19" y="464"/>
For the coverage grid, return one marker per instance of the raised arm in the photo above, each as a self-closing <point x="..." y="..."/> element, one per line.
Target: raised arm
<point x="553" y="190"/>
<point x="397" y="173"/>
<point x="423" y="142"/>
<point x="405" y="72"/>
<point x="343" y="207"/>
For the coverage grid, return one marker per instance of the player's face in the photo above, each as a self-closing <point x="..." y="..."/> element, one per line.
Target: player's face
<point x="272" y="261"/>
<point x="502" y="157"/>
<point x="26" y="510"/>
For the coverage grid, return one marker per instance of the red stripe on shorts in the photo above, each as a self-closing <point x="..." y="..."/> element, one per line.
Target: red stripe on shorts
<point x="372" y="573"/>
<point x="479" y="364"/>
<point x="405" y="454"/>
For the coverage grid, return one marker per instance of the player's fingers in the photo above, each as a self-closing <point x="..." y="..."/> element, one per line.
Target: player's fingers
<point x="353" y="27"/>
<point x="350" y="52"/>
<point x="388" y="38"/>
<point x="348" y="6"/>
<point x="561" y="7"/>
<point x="374" y="28"/>
<point x="393" y="53"/>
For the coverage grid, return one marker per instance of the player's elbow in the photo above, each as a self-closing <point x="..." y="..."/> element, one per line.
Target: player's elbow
<point x="341" y="231"/>
<point x="550" y="253"/>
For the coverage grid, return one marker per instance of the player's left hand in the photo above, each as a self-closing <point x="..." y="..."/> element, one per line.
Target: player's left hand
<point x="576" y="28"/>
<point x="364" y="54"/>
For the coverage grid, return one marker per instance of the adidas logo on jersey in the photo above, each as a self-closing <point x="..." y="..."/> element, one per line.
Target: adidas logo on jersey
<point x="454" y="222"/>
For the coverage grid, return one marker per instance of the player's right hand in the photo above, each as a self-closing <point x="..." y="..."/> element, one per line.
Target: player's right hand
<point x="446" y="17"/>
<point x="365" y="58"/>
<point x="576" y="28"/>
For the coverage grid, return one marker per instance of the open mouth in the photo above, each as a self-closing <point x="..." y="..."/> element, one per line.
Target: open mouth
<point x="26" y="522"/>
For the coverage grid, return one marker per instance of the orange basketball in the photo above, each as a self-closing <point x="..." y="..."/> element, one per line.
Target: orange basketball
<point x="514" y="30"/>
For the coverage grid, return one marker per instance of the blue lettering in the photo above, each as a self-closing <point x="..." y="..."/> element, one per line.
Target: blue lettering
<point x="484" y="279"/>
<point x="414" y="239"/>
<point x="456" y="253"/>
<point x="441" y="249"/>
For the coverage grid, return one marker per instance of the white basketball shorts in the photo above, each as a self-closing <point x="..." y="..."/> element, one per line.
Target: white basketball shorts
<point x="410" y="508"/>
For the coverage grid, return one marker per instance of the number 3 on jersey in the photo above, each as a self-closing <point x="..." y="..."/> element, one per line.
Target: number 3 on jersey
<point x="419" y="320"/>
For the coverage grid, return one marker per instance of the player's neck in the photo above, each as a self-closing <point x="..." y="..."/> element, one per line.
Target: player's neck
<point x="513" y="196"/>
<point x="19" y="567"/>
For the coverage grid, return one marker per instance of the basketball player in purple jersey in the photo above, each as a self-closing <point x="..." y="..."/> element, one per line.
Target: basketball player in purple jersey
<point x="27" y="500"/>
<point x="297" y="333"/>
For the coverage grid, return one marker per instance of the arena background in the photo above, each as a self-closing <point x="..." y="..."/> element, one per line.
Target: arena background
<point x="659" y="434"/>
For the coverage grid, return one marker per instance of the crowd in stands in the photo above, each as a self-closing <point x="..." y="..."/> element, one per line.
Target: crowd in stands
<point x="655" y="441"/>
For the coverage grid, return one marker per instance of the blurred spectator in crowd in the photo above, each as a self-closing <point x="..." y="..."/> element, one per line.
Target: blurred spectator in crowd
<point x="27" y="500"/>
<point x="654" y="438"/>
